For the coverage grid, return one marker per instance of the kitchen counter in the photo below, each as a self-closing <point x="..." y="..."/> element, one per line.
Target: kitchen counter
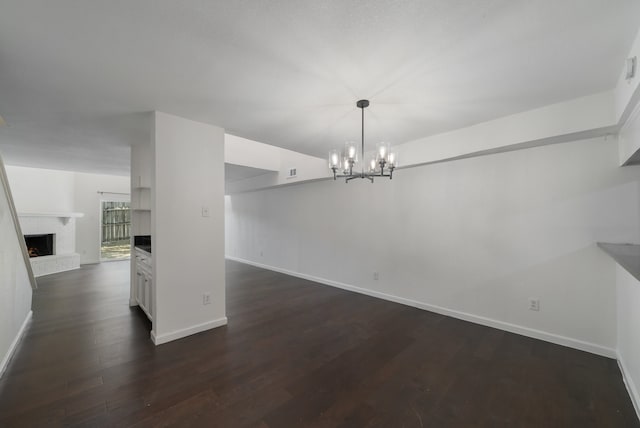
<point x="626" y="255"/>
<point x="146" y="248"/>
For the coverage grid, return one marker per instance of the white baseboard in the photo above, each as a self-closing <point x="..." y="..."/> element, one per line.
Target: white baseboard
<point x="476" y="319"/>
<point x="631" y="386"/>
<point x="184" y="332"/>
<point x="14" y="344"/>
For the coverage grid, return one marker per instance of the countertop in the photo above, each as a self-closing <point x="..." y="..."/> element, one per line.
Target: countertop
<point x="627" y="256"/>
<point x="146" y="248"/>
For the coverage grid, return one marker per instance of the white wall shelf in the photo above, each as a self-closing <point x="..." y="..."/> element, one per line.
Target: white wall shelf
<point x="141" y="199"/>
<point x="64" y="216"/>
<point x="626" y="255"/>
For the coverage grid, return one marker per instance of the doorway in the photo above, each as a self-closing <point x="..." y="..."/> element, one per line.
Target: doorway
<point x="115" y="230"/>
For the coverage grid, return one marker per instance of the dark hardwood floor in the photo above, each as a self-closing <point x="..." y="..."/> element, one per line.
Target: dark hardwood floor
<point x="294" y="354"/>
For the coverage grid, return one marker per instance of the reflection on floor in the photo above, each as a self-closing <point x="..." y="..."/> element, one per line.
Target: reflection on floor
<point x="294" y="354"/>
<point x="115" y="250"/>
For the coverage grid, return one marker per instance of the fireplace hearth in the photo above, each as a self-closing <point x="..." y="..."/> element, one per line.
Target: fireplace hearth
<point x="40" y="245"/>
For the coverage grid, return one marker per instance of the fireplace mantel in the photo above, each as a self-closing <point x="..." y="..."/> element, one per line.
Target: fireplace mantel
<point x="64" y="216"/>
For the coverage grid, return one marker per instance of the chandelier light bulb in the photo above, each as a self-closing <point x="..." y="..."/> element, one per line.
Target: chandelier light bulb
<point x="351" y="151"/>
<point x="334" y="159"/>
<point x="346" y="165"/>
<point x="383" y="152"/>
<point x="392" y="160"/>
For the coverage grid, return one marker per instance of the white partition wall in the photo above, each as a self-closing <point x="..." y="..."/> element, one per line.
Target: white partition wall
<point x="187" y="227"/>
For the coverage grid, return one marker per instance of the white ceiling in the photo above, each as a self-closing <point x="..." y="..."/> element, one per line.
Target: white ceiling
<point x="239" y="172"/>
<point x="76" y="76"/>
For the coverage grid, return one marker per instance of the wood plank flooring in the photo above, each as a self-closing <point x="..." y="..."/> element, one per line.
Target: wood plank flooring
<point x="294" y="354"/>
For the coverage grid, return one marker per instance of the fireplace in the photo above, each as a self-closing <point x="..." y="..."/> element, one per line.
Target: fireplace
<point x="40" y="245"/>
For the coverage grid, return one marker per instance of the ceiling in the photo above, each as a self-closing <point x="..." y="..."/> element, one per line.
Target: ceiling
<point x="77" y="77"/>
<point x="239" y="172"/>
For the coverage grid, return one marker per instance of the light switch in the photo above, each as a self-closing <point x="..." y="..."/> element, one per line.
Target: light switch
<point x="205" y="211"/>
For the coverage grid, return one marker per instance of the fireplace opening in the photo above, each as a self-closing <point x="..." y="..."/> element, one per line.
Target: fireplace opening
<point x="39" y="245"/>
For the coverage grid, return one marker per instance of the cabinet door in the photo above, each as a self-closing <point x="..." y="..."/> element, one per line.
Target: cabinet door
<point x="140" y="287"/>
<point x="150" y="296"/>
<point x="146" y="292"/>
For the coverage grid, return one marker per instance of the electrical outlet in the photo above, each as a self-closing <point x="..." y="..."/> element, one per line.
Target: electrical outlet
<point x="534" y="304"/>
<point x="206" y="299"/>
<point x="631" y="68"/>
<point x="376" y="276"/>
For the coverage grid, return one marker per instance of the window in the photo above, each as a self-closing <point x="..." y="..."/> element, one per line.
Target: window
<point x="116" y="227"/>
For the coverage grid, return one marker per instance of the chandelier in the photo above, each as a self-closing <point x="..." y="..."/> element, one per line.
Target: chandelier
<point x="381" y="164"/>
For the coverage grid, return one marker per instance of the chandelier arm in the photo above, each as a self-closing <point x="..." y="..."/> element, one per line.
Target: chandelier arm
<point x="349" y="175"/>
<point x="368" y="176"/>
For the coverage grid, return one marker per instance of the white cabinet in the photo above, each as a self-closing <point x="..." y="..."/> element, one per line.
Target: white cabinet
<point x="142" y="291"/>
<point x="144" y="282"/>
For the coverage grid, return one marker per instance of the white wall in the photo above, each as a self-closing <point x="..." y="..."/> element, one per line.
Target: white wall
<point x="188" y="248"/>
<point x="55" y="191"/>
<point x="478" y="236"/>
<point x="41" y="190"/>
<point x="241" y="151"/>
<point x="593" y="114"/>
<point x="15" y="288"/>
<point x="628" y="327"/>
<point x="87" y="201"/>
<point x="627" y="91"/>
